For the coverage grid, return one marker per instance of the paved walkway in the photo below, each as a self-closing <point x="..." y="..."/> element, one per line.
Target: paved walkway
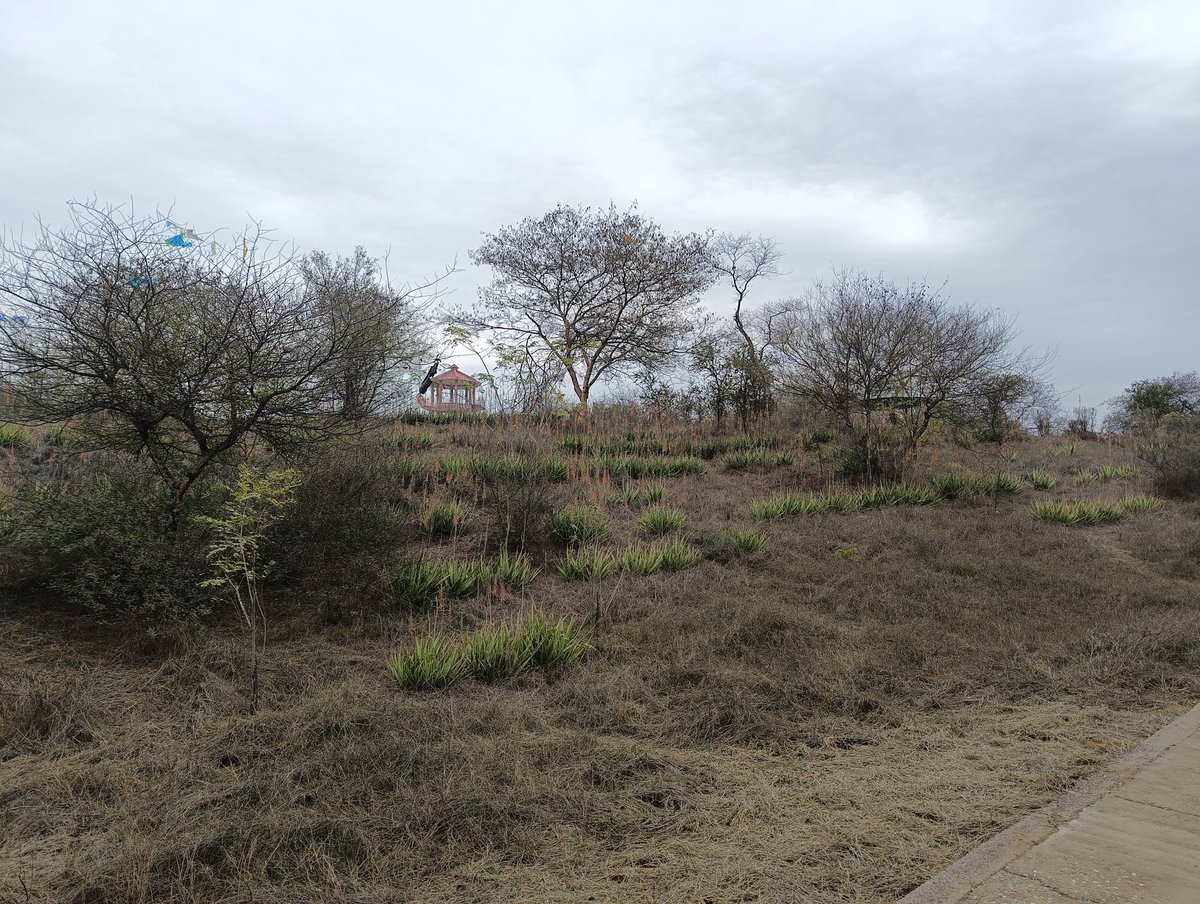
<point x="1128" y="835"/>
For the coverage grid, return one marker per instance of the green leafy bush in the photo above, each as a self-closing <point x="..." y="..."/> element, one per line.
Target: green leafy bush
<point x="660" y="520"/>
<point x="446" y="519"/>
<point x="95" y="536"/>
<point x="580" y="524"/>
<point x="677" y="555"/>
<point x="641" y="559"/>
<point x="433" y="662"/>
<point x="1043" y="480"/>
<point x="491" y="653"/>
<point x="748" y="541"/>
<point x="1077" y="512"/>
<point x="587" y="563"/>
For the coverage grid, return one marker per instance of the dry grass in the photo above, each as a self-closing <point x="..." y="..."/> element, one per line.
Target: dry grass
<point x="796" y="725"/>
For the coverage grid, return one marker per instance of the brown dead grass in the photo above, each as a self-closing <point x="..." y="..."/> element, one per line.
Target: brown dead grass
<point x="788" y="726"/>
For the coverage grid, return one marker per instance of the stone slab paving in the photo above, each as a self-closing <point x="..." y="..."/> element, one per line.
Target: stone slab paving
<point x="1130" y="834"/>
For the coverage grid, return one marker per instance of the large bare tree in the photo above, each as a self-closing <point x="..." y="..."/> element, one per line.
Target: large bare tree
<point x="184" y="353"/>
<point x="601" y="293"/>
<point x="885" y="361"/>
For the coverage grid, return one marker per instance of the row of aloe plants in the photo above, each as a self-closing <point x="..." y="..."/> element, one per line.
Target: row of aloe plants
<point x="594" y="563"/>
<point x="492" y="653"/>
<point x="417" y="582"/>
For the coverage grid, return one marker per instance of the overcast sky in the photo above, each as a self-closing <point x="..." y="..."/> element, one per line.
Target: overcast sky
<point x="1042" y="157"/>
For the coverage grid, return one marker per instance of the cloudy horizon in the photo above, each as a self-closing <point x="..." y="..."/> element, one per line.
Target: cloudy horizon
<point x="1041" y="159"/>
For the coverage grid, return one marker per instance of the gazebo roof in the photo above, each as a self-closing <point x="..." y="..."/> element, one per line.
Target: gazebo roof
<point x="454" y="377"/>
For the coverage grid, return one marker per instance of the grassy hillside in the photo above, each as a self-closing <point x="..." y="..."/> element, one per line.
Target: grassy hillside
<point x="844" y="693"/>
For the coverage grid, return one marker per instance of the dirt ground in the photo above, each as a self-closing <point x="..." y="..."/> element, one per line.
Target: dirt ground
<point x="831" y="719"/>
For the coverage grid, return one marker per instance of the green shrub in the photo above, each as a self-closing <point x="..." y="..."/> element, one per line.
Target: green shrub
<point x="95" y="537"/>
<point x="409" y="470"/>
<point x="557" y="469"/>
<point x="573" y="444"/>
<point x="1105" y="474"/>
<point x="1077" y="512"/>
<point x="951" y="486"/>
<point x="446" y="519"/>
<point x="461" y="579"/>
<point x="1140" y="503"/>
<point x="513" y="570"/>
<point x="748" y="541"/>
<point x="635" y="467"/>
<point x="433" y="662"/>
<point x="15" y="435"/>
<point x="452" y="467"/>
<point x="997" y="484"/>
<point x="421" y="440"/>
<point x="660" y="520"/>
<point x="587" y="563"/>
<point x="957" y="486"/>
<point x="897" y="494"/>
<point x="580" y="524"/>
<point x="1042" y="480"/>
<point x="414" y="583"/>
<point x="641" y="559"/>
<point x="637" y="494"/>
<point x="1063" y="449"/>
<point x="677" y="555"/>
<point x="489" y="653"/>
<point x="542" y="641"/>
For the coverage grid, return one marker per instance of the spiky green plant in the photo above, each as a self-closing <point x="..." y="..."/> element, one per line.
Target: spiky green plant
<point x="421" y="440"/>
<point x="414" y="583"/>
<point x="540" y="640"/>
<point x="490" y="653"/>
<point x="461" y="579"/>
<point x="432" y="662"/>
<point x="653" y="493"/>
<point x="513" y="570"/>
<point x="1105" y="474"/>
<point x="635" y="467"/>
<point x="951" y="486"/>
<point x="746" y="459"/>
<point x="579" y="524"/>
<point x="662" y="520"/>
<point x="641" y="559"/>
<point x="408" y="470"/>
<point x="557" y="469"/>
<point x="448" y="518"/>
<point x="451" y="467"/>
<point x="997" y="484"/>
<point x="677" y="555"/>
<point x="14" y="435"/>
<point x="785" y="459"/>
<point x="1063" y="449"/>
<point x="1140" y="503"/>
<point x="1042" y="480"/>
<point x="1077" y="512"/>
<point x="748" y="541"/>
<point x="587" y="563"/>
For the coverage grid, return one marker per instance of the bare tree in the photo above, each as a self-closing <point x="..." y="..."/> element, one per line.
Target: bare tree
<point x="885" y="361"/>
<point x="741" y="260"/>
<point x="186" y="353"/>
<point x="382" y="324"/>
<point x="601" y="293"/>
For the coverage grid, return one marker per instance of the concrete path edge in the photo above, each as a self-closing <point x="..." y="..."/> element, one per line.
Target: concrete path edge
<point x="973" y="869"/>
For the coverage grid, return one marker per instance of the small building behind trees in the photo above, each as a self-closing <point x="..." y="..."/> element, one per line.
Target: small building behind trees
<point x="450" y="391"/>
